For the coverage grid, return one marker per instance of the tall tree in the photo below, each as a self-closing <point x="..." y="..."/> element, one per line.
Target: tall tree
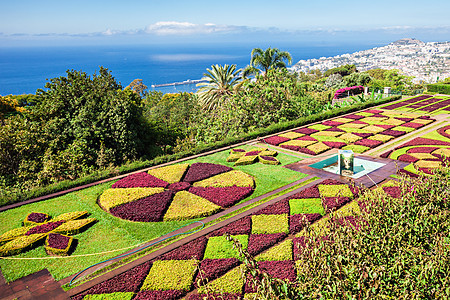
<point x="221" y="82"/>
<point x="137" y="86"/>
<point x="264" y="60"/>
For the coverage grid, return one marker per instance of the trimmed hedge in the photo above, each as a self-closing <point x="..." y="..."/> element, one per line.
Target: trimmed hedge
<point x="439" y="88"/>
<point x="6" y="199"/>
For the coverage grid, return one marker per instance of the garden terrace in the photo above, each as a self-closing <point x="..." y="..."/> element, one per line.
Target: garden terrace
<point x="271" y="234"/>
<point x="111" y="233"/>
<point x="264" y="203"/>
<point x="359" y="132"/>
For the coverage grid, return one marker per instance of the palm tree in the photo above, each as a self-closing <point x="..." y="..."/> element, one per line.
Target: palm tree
<point x="264" y="60"/>
<point x="221" y="82"/>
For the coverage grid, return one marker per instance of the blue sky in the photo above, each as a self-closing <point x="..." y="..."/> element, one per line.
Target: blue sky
<point x="29" y="22"/>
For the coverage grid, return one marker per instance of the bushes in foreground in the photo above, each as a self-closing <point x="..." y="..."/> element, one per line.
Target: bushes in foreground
<point x="397" y="248"/>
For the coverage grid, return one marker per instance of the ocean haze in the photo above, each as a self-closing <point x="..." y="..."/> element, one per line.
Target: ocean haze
<point x="23" y="70"/>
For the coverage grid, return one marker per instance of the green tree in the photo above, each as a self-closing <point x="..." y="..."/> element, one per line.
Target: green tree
<point x="137" y="86"/>
<point x="264" y="60"/>
<point x="343" y="70"/>
<point x="221" y="82"/>
<point x="357" y="79"/>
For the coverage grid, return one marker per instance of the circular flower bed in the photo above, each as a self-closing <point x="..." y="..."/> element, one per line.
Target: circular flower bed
<point x="176" y="192"/>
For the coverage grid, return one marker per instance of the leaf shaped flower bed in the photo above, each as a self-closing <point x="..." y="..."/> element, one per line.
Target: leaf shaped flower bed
<point x="265" y="156"/>
<point x="424" y="153"/>
<point x="359" y="132"/>
<point x="39" y="227"/>
<point x="176" y="192"/>
<point x="267" y="234"/>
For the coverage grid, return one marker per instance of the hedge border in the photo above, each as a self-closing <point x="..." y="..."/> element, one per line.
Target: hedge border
<point x="98" y="177"/>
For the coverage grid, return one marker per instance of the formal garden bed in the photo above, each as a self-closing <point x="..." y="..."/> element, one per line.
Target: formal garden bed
<point x="424" y="153"/>
<point x="422" y="104"/>
<point x="359" y="132"/>
<point x="210" y="264"/>
<point x="146" y="205"/>
<point x="163" y="185"/>
<point x="277" y="237"/>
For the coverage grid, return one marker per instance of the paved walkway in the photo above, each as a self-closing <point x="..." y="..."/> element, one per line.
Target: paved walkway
<point x="37" y="286"/>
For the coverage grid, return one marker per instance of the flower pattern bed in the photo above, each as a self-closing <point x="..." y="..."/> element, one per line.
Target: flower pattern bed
<point x="209" y="265"/>
<point x="55" y="233"/>
<point x="359" y="132"/>
<point x="424" y="153"/>
<point x="425" y="103"/>
<point x="178" y="192"/>
<point x="265" y="156"/>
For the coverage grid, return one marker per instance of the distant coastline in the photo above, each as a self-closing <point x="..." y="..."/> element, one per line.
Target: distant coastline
<point x="24" y="70"/>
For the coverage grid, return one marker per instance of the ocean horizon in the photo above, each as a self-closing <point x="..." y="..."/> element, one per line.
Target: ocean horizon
<point x="23" y="70"/>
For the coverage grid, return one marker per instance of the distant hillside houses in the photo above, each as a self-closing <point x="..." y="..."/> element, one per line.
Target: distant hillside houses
<point x="427" y="62"/>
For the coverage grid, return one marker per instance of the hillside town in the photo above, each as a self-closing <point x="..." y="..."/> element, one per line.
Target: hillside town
<point x="426" y="62"/>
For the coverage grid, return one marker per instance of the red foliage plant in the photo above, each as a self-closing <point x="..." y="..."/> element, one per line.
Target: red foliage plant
<point x="191" y="250"/>
<point x="369" y="143"/>
<point x="200" y="171"/>
<point x="129" y="281"/>
<point x="179" y="186"/>
<point x="241" y="226"/>
<point x="306" y="130"/>
<point x="159" y="295"/>
<point x="284" y="270"/>
<point x="141" y="179"/>
<point x="58" y="241"/>
<point x="275" y="140"/>
<point x="150" y="209"/>
<point x="279" y="208"/>
<point x="223" y="196"/>
<point x="44" y="228"/>
<point x="298" y="222"/>
<point x="257" y="243"/>
<point x="211" y="269"/>
<point x="37" y="217"/>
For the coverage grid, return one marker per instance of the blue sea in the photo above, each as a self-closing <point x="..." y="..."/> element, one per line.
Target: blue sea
<point x="24" y="70"/>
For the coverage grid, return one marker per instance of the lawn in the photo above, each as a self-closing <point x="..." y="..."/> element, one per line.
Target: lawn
<point x="111" y="233"/>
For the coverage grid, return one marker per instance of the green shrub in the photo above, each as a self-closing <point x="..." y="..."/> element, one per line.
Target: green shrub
<point x="338" y="190"/>
<point x="111" y="296"/>
<point x="232" y="282"/>
<point x="283" y="251"/>
<point x="266" y="224"/>
<point x="187" y="206"/>
<point x="170" y="275"/>
<point x="439" y="88"/>
<point x="306" y="206"/>
<point x="220" y="247"/>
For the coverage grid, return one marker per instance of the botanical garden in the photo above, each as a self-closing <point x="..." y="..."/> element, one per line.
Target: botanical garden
<point x="122" y="193"/>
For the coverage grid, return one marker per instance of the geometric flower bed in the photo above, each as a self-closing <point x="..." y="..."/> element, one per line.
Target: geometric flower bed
<point x="176" y="192"/>
<point x="242" y="157"/>
<point x="210" y="265"/>
<point x="423" y="153"/>
<point x="38" y="227"/>
<point x="359" y="132"/>
<point x="422" y="104"/>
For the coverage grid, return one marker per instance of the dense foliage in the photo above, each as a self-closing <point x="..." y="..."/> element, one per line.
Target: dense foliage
<point x="439" y="88"/>
<point x="397" y="248"/>
<point x="78" y="124"/>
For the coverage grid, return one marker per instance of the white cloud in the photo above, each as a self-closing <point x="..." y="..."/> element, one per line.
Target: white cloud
<point x="186" y="28"/>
